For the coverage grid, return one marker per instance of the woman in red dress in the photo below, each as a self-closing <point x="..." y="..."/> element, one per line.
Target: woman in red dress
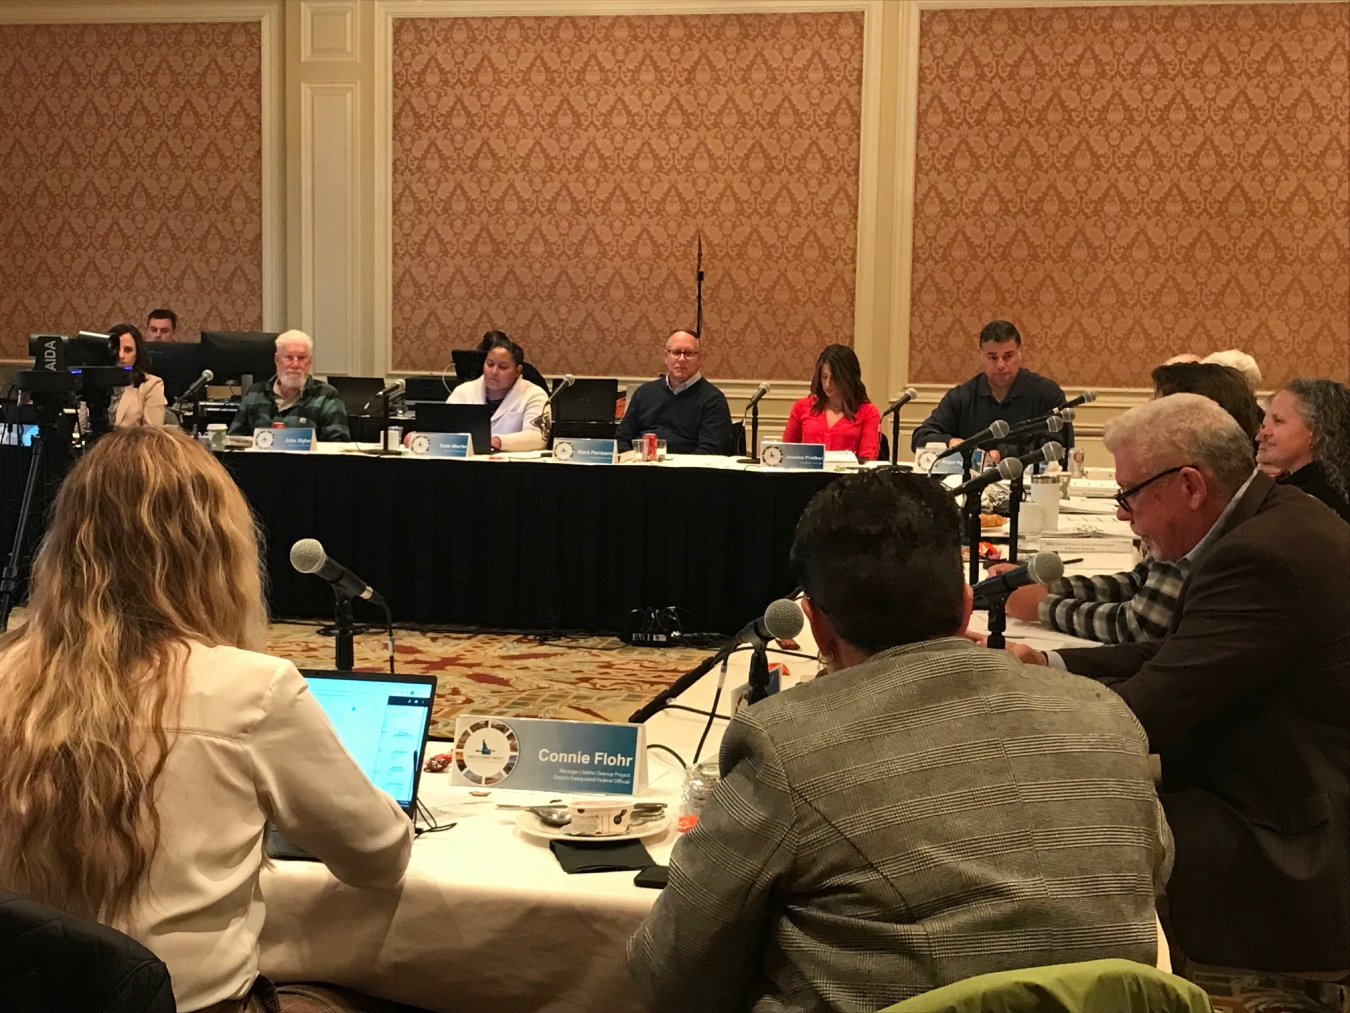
<point x="836" y="412"/>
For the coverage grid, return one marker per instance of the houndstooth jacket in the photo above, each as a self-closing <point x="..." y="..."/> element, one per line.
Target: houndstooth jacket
<point x="935" y="813"/>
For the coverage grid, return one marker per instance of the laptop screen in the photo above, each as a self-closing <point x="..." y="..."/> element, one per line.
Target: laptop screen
<point x="383" y="723"/>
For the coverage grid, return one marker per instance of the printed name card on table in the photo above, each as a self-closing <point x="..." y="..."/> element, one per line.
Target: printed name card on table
<point x="545" y="755"/>
<point x="441" y="445"/>
<point x="793" y="455"/>
<point x="586" y="451"/>
<point x="291" y="440"/>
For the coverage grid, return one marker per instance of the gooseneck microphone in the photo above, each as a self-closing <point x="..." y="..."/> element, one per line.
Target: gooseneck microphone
<point x="906" y="396"/>
<point x="758" y="396"/>
<point x="781" y="620"/>
<point x="307" y="556"/>
<point x="1008" y="468"/>
<point x="1041" y="568"/>
<point x="393" y="388"/>
<point x="996" y="431"/>
<point x="196" y="385"/>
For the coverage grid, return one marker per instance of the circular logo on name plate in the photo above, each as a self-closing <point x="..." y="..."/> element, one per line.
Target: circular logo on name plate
<point x="263" y="438"/>
<point x="487" y="751"/>
<point x="772" y="456"/>
<point x="420" y="444"/>
<point x="562" y="450"/>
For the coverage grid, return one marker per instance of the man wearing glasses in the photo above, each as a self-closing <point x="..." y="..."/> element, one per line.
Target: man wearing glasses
<point x="1247" y="697"/>
<point x="681" y="407"/>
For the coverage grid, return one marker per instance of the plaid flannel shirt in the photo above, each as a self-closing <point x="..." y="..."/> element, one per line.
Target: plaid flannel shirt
<point x="319" y="404"/>
<point x="1116" y="608"/>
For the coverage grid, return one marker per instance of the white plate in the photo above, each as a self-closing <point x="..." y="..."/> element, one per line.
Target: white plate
<point x="530" y="824"/>
<point x="999" y="532"/>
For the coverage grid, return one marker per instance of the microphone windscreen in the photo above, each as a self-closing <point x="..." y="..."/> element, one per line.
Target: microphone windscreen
<point x="765" y="387"/>
<point x="307" y="555"/>
<point x="1054" y="423"/>
<point x="1067" y="414"/>
<point x="207" y="375"/>
<point x="1010" y="467"/>
<point x="783" y="619"/>
<point x="1089" y="396"/>
<point x="999" y="429"/>
<point x="1053" y="451"/>
<point x="910" y="393"/>
<point x="1045" y="567"/>
<point x="568" y="380"/>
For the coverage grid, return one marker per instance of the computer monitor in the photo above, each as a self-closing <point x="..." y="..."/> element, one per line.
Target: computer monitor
<point x="468" y="363"/>
<point x="233" y="355"/>
<point x="177" y="363"/>
<point x="438" y="417"/>
<point x="357" y="391"/>
<point x="588" y="400"/>
<point x="429" y="388"/>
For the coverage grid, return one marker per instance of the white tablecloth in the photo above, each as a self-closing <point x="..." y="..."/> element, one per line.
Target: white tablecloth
<point x="486" y="919"/>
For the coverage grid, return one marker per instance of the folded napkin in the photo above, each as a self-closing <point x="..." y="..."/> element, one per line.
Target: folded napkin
<point x="601" y="856"/>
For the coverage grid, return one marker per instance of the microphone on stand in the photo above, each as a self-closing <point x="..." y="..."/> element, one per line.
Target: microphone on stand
<point x="394" y="388"/>
<point x="906" y="396"/>
<point x="1008" y="468"/>
<point x="196" y="385"/>
<point x="1049" y="424"/>
<point x="758" y="396"/>
<point x="1041" y="568"/>
<point x="1047" y="452"/>
<point x="307" y="556"/>
<point x="1087" y="397"/>
<point x="563" y="383"/>
<point x="996" y="431"/>
<point x="783" y="619"/>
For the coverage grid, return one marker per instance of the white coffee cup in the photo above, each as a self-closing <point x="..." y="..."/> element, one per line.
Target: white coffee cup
<point x="598" y="818"/>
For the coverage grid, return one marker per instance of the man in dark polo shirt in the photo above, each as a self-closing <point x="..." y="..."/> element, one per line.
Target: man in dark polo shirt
<point x="1003" y="390"/>
<point x="681" y="407"/>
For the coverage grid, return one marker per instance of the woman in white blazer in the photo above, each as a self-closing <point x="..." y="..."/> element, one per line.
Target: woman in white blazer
<point x="520" y="407"/>
<point x="143" y="402"/>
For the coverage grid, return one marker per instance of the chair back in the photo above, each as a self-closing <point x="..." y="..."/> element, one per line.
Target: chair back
<point x="1121" y="986"/>
<point x="50" y="960"/>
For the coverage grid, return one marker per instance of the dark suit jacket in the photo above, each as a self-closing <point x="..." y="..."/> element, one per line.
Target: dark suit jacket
<point x="1247" y="700"/>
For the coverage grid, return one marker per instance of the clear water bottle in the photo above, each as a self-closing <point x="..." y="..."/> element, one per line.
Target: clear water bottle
<point x="699" y="781"/>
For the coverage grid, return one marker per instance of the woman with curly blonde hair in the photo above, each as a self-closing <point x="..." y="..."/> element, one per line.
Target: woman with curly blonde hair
<point x="146" y="744"/>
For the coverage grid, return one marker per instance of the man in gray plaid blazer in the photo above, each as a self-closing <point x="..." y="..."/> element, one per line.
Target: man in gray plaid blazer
<point x="927" y="811"/>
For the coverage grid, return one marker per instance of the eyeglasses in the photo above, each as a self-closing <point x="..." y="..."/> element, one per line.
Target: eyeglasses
<point x="682" y="353"/>
<point x="1123" y="497"/>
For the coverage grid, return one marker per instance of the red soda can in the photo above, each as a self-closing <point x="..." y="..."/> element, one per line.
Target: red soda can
<point x="649" y="446"/>
<point x="278" y="425"/>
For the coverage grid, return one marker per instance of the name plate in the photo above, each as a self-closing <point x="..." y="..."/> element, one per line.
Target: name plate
<point x="793" y="455"/>
<point x="441" y="445"/>
<point x="586" y="451"/>
<point x="283" y="439"/>
<point x="545" y="755"/>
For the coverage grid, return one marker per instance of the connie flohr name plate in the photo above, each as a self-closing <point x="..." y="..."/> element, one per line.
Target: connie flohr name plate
<point x="546" y="755"/>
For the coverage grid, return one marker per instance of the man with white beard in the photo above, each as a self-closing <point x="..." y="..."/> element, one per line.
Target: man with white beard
<point x="292" y="396"/>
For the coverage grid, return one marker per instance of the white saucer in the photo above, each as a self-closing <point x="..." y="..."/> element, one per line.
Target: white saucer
<point x="530" y="824"/>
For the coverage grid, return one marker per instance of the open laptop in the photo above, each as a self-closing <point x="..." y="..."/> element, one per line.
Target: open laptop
<point x="588" y="400"/>
<point x="474" y="419"/>
<point x="356" y="391"/>
<point x="383" y="722"/>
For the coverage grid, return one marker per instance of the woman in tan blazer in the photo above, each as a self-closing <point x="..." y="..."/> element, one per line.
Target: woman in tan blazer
<point x="142" y="403"/>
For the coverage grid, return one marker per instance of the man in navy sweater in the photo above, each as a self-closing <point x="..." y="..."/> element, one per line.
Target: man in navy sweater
<point x="681" y="407"/>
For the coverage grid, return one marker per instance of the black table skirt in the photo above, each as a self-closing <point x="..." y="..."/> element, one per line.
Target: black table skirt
<point x="529" y="545"/>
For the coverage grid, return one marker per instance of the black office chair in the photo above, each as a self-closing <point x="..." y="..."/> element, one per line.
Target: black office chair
<point x="52" y="961"/>
<point x="884" y="452"/>
<point x="737" y="439"/>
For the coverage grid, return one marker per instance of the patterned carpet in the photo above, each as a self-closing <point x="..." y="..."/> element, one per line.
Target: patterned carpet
<point x="582" y="679"/>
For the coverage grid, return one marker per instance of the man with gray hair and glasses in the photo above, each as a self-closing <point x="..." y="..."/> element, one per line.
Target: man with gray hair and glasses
<point x="1247" y="697"/>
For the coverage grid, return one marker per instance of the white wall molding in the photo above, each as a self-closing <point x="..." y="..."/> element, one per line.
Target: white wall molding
<point x="330" y="186"/>
<point x="329" y="32"/>
<point x="268" y="15"/>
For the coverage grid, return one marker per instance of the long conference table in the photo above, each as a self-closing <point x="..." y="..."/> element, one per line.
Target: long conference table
<point x="486" y="921"/>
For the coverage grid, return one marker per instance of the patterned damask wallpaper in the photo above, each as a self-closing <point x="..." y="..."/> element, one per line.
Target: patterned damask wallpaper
<point x="550" y="175"/>
<point x="130" y="177"/>
<point x="1130" y="183"/>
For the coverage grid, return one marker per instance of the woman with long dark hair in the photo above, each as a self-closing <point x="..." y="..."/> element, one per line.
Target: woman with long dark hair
<point x="146" y="741"/>
<point x="837" y="412"/>
<point x="142" y="403"/>
<point x="1306" y="437"/>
